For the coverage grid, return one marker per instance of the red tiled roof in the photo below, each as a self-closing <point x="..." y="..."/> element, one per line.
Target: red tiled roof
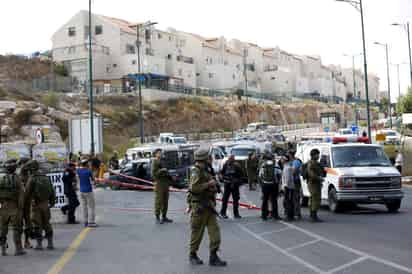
<point x="124" y="25"/>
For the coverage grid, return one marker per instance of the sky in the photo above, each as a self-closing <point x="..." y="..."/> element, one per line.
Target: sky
<point x="326" y="28"/>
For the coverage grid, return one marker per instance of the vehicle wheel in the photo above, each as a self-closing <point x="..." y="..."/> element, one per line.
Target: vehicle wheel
<point x="305" y="201"/>
<point x="334" y="205"/>
<point x="393" y="206"/>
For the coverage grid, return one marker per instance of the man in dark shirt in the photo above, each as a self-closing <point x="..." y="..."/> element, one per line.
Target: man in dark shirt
<point x="231" y="174"/>
<point x="70" y="185"/>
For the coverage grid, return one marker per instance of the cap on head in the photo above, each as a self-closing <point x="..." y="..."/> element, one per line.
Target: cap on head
<point x="201" y="154"/>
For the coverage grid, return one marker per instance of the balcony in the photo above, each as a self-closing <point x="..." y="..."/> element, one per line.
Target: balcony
<point x="185" y="59"/>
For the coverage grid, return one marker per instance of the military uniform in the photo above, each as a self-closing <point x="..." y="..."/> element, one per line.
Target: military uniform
<point x="252" y="167"/>
<point x="41" y="193"/>
<point x="232" y="173"/>
<point x="161" y="179"/>
<point x="315" y="174"/>
<point x="11" y="211"/>
<point x="270" y="188"/>
<point x="203" y="214"/>
<point x="23" y="173"/>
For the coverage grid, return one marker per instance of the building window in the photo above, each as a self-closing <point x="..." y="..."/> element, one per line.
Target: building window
<point x="115" y="65"/>
<point x="210" y="75"/>
<point x="133" y="62"/>
<point x="130" y="49"/>
<point x="169" y="56"/>
<point x="86" y="32"/>
<point x="72" y="50"/>
<point x="233" y="76"/>
<point x="159" y="36"/>
<point x="272" y="78"/>
<point x="149" y="51"/>
<point x="170" y="38"/>
<point x="98" y="29"/>
<point x="180" y="72"/>
<point x="197" y="74"/>
<point x="72" y="31"/>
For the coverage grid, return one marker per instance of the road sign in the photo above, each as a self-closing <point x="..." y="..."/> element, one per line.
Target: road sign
<point x="380" y="137"/>
<point x="354" y="129"/>
<point x="407" y="118"/>
<point x="326" y="129"/>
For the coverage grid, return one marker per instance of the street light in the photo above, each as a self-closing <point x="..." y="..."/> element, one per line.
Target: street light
<point x="406" y="26"/>
<point x="354" y="83"/>
<point x="91" y="114"/>
<point x="389" y="81"/>
<point x="140" y="27"/>
<point x="359" y="7"/>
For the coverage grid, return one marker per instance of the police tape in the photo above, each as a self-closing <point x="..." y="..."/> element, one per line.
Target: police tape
<point x="142" y="187"/>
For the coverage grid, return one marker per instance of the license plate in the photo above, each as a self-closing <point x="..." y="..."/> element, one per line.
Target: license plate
<point x="375" y="198"/>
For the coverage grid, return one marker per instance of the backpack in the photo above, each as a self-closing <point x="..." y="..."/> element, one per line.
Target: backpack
<point x="305" y="173"/>
<point x="8" y="188"/>
<point x="268" y="171"/>
<point x="42" y="188"/>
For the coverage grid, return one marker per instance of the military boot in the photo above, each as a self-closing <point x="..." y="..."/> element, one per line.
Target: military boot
<point x="4" y="249"/>
<point x="314" y="217"/>
<point x="39" y="245"/>
<point x="50" y="244"/>
<point x="214" y="260"/>
<point x="194" y="259"/>
<point x="18" y="245"/>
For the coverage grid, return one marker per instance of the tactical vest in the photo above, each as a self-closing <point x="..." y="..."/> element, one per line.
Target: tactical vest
<point x="42" y="188"/>
<point x="268" y="171"/>
<point x="8" y="188"/>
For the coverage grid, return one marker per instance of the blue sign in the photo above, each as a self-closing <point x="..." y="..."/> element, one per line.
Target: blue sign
<point x="354" y="129"/>
<point x="326" y="129"/>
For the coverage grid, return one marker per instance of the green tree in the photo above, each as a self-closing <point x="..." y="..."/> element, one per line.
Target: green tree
<point x="384" y="104"/>
<point x="405" y="103"/>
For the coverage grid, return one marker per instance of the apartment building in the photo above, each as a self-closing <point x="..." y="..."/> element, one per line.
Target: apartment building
<point x="178" y="58"/>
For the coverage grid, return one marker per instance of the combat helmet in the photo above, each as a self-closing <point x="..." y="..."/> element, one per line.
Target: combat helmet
<point x="201" y="155"/>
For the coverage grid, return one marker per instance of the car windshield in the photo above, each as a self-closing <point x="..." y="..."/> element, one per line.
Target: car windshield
<point x="390" y="133"/>
<point x="358" y="156"/>
<point x="181" y="140"/>
<point x="346" y="132"/>
<point x="242" y="152"/>
<point x="279" y="138"/>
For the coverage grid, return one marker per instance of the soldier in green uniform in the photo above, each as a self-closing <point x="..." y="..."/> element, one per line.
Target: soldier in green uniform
<point x="203" y="189"/>
<point x="41" y="193"/>
<point x="315" y="179"/>
<point x="12" y="200"/>
<point x="162" y="179"/>
<point x="24" y="176"/>
<point x="252" y="169"/>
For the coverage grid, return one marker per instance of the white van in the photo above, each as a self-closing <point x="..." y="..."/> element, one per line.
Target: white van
<point x="357" y="173"/>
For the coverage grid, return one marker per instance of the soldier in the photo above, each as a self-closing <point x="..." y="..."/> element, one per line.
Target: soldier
<point x="114" y="161"/>
<point x="162" y="179"/>
<point x="252" y="167"/>
<point x="270" y="187"/>
<point x="315" y="178"/>
<point x="41" y="192"/>
<point x="24" y="176"/>
<point x="203" y="202"/>
<point x="12" y="203"/>
<point x="70" y="185"/>
<point x="231" y="174"/>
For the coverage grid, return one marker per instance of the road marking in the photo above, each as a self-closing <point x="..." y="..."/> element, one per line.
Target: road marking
<point x="347" y="248"/>
<point x="254" y="223"/>
<point x="284" y="252"/>
<point x="69" y="253"/>
<point x="302" y="245"/>
<point x="339" y="268"/>
<point x="274" y="231"/>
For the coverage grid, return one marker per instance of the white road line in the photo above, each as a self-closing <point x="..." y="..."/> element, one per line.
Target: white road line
<point x="302" y="245"/>
<point x="274" y="231"/>
<point x="347" y="248"/>
<point x="277" y="248"/>
<point x="254" y="223"/>
<point x="339" y="268"/>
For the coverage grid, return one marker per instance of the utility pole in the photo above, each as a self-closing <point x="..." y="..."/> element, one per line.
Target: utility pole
<point x="357" y="4"/>
<point x="389" y="81"/>
<point x="354" y="89"/>
<point x="141" y="120"/>
<point x="91" y="82"/>
<point x="245" y="74"/>
<point x="140" y="27"/>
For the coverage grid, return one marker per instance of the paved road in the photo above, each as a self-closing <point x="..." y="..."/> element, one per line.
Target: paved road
<point x="367" y="240"/>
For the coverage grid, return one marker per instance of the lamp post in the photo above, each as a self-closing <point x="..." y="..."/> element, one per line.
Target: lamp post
<point x="406" y="26"/>
<point x="91" y="114"/>
<point x="140" y="27"/>
<point x="355" y="94"/>
<point x="245" y="53"/>
<point x="389" y="81"/>
<point x="359" y="7"/>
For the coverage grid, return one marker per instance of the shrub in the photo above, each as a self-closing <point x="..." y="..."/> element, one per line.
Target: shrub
<point x="51" y="100"/>
<point x="22" y="118"/>
<point x="63" y="126"/>
<point x="3" y="93"/>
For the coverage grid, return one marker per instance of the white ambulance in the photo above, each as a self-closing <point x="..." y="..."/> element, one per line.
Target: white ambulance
<point x="357" y="173"/>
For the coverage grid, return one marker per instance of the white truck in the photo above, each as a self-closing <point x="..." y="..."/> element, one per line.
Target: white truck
<point x="171" y="139"/>
<point x="357" y="173"/>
